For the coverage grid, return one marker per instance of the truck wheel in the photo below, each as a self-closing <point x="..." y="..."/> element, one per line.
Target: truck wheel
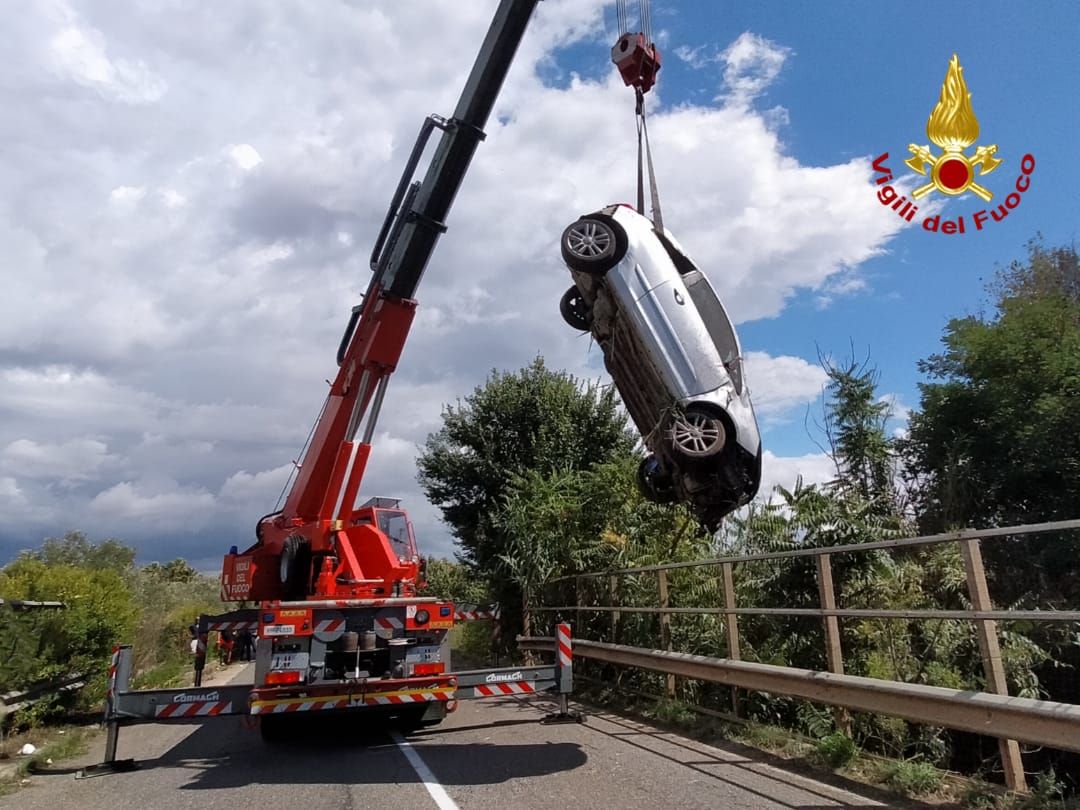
<point x="593" y="245"/>
<point x="295" y="567"/>
<point x="274" y="729"/>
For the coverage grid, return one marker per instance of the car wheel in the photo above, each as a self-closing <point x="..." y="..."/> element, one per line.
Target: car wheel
<point x="575" y="311"/>
<point x="653" y="484"/>
<point x="697" y="434"/>
<point x="592" y="245"/>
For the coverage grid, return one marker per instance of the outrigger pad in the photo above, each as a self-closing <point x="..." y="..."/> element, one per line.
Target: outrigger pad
<point x="102" y="768"/>
<point x="562" y="717"/>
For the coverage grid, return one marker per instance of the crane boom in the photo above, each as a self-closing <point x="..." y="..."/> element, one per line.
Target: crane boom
<point x="319" y="545"/>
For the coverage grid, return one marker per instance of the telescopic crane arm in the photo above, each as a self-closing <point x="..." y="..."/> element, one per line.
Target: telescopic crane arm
<point x="318" y="522"/>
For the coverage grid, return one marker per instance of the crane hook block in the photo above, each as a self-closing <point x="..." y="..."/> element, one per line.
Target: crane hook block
<point x="637" y="61"/>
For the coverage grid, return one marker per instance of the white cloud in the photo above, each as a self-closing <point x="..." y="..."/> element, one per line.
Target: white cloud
<point x="80" y="54"/>
<point x="76" y="460"/>
<point x="780" y="385"/>
<point x="751" y="64"/>
<point x="245" y="156"/>
<point x="147" y="507"/>
<point x="785" y="471"/>
<point x="181" y="264"/>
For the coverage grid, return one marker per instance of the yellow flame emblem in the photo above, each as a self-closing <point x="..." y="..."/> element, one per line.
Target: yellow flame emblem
<point x="954" y="127"/>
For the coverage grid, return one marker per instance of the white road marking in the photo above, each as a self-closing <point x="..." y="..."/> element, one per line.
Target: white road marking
<point x="424" y="772"/>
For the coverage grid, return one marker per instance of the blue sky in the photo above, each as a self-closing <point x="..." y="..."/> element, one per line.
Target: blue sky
<point x="191" y="194"/>
<point x="860" y="80"/>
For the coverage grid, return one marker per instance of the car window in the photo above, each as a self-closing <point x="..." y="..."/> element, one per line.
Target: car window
<point x="718" y="324"/>
<point x="682" y="263"/>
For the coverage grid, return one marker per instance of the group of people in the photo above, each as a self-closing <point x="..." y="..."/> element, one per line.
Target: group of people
<point x="240" y="643"/>
<point x="232" y="645"/>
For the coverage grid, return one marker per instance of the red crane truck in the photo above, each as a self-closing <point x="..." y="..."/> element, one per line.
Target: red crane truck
<point x="342" y="623"/>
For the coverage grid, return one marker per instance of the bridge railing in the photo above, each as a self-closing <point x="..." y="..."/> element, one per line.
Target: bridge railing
<point x="993" y="712"/>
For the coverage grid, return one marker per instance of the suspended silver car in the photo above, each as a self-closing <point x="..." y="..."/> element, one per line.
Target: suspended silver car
<point x="673" y="354"/>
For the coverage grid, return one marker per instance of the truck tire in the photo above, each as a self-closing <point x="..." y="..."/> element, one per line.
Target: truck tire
<point x="295" y="558"/>
<point x="274" y="729"/>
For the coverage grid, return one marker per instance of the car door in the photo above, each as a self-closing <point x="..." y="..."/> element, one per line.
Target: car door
<point x="675" y="335"/>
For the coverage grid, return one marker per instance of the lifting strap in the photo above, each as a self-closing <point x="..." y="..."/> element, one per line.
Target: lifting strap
<point x="645" y="157"/>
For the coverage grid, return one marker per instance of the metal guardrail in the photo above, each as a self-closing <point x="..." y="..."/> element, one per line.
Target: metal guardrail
<point x="22" y="604"/>
<point x="950" y="708"/>
<point x="13" y="701"/>
<point x="1041" y="722"/>
<point x="906" y="542"/>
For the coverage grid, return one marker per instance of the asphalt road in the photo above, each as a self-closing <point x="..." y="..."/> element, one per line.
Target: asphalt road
<point x="489" y="755"/>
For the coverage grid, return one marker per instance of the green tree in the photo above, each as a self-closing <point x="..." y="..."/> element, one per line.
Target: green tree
<point x="451" y="580"/>
<point x="533" y="420"/>
<point x="855" y="426"/>
<point x="177" y="570"/>
<point x="76" y="549"/>
<point x="997" y="438"/>
<point x="99" y="613"/>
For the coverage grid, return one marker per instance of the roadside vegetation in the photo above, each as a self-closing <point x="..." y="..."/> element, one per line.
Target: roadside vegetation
<point x="535" y="474"/>
<point x="533" y="498"/>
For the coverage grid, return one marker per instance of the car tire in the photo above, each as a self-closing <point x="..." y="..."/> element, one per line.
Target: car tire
<point x="593" y="245"/>
<point x="575" y="311"/>
<point x="653" y="485"/>
<point x="697" y="434"/>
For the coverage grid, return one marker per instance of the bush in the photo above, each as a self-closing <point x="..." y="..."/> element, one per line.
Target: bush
<point x="837" y="750"/>
<point x="915" y="778"/>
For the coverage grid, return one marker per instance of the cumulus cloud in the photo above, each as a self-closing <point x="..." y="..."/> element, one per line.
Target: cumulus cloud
<point x="751" y="64"/>
<point x="188" y="219"/>
<point x="786" y="471"/>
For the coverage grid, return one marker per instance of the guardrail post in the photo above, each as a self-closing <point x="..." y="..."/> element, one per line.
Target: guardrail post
<point x="731" y="625"/>
<point x="665" y="627"/>
<point x="579" y="601"/>
<point x="614" y="612"/>
<point x="986" y="631"/>
<point x="834" y="653"/>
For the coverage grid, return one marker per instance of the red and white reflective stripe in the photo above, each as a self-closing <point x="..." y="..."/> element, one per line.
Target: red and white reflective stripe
<point x="474" y="615"/>
<point x="385" y="627"/>
<point x="299" y="706"/>
<point x="113" y="664"/>
<point x="329" y="625"/>
<point x="196" y="708"/>
<point x="409" y="697"/>
<point x="341" y="702"/>
<point x="566" y="651"/>
<point x="200" y="646"/>
<point x="233" y="626"/>
<point x="514" y="688"/>
<point x="468" y="613"/>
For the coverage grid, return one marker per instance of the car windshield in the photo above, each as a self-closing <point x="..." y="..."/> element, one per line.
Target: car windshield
<point x="395" y="525"/>
<point x="718" y="324"/>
